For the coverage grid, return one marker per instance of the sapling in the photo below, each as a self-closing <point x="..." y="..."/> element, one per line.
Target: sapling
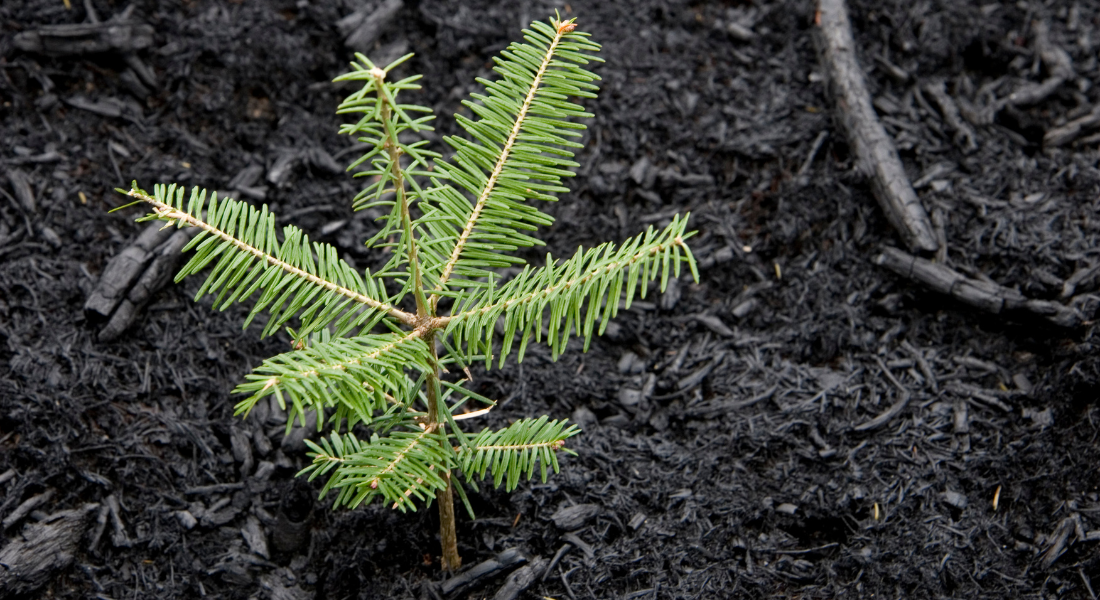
<point x="383" y="357"/>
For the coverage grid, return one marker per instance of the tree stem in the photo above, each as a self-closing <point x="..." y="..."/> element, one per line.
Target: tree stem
<point x="448" y="536"/>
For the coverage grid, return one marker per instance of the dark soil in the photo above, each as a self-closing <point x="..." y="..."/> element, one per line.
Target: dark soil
<point x="722" y="446"/>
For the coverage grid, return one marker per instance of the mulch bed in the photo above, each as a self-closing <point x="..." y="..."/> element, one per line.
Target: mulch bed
<point x="802" y="422"/>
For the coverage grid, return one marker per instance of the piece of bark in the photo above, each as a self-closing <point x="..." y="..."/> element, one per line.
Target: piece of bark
<point x="21" y="186"/>
<point x="987" y="296"/>
<point x="154" y="271"/>
<point x="31" y="558"/>
<point x="459" y="584"/>
<point x="86" y="38"/>
<point x="519" y="581"/>
<point x="875" y="151"/>
<point x="574" y="517"/>
<point x="123" y="270"/>
<point x="964" y="136"/>
<point x="1060" y="136"/>
<point x="362" y="29"/>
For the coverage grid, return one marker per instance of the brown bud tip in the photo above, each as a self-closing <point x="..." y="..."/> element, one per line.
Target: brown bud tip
<point x="566" y="27"/>
<point x="374" y="484"/>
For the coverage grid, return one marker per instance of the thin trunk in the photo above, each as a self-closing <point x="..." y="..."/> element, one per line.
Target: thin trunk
<point x="448" y="536"/>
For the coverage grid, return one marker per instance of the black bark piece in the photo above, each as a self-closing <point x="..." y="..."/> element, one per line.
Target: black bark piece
<point x="522" y="579"/>
<point x="987" y="296"/>
<point x="31" y="558"/>
<point x="134" y="276"/>
<point x="85" y="38"/>
<point x="466" y="580"/>
<point x="875" y="150"/>
<point x="574" y="517"/>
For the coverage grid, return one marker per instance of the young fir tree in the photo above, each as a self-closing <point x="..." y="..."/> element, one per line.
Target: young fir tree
<point x="375" y="352"/>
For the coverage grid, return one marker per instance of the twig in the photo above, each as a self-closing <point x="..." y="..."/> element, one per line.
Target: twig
<point x="803" y="178"/>
<point x="987" y="296"/>
<point x="877" y="156"/>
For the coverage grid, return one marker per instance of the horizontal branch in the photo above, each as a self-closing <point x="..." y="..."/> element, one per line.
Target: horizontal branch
<point x="168" y="212"/>
<point x="610" y="268"/>
<point x="985" y="295"/>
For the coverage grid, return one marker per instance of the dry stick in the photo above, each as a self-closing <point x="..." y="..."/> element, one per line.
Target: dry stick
<point x="980" y="294"/>
<point x="875" y="151"/>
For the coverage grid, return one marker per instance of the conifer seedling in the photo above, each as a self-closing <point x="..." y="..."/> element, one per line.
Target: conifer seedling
<point x="384" y="358"/>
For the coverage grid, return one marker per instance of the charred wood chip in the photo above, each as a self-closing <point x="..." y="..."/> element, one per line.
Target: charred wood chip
<point x="31" y="558"/>
<point x="85" y="38"/>
<point x="574" y="517"/>
<point x="521" y="579"/>
<point x="463" y="582"/>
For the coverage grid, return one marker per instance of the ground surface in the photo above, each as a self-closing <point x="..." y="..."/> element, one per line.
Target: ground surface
<point x="722" y="444"/>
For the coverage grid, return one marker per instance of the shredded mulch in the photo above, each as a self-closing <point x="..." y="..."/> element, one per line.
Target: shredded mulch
<point x="801" y="422"/>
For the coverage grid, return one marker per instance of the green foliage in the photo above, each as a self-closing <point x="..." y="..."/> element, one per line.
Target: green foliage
<point x="365" y="355"/>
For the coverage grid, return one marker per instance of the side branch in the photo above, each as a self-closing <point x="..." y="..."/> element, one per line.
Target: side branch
<point x="504" y="154"/>
<point x="168" y="212"/>
<point x="875" y="151"/>
<point x="441" y="322"/>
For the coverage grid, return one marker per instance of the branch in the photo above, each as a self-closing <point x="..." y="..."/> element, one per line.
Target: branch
<point x="170" y="213"/>
<point x="562" y="29"/>
<point x="985" y="295"/>
<point x="875" y="151"/>
<point x="565" y="285"/>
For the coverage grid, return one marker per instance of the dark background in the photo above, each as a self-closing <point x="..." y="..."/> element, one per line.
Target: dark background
<point x="720" y="441"/>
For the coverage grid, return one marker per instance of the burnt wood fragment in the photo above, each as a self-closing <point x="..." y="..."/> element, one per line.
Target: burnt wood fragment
<point x="519" y="581"/>
<point x="574" y="517"/>
<point x="987" y="296"/>
<point x="464" y="581"/>
<point x="134" y="276"/>
<point x="86" y="38"/>
<point x="31" y="558"/>
<point x="875" y="151"/>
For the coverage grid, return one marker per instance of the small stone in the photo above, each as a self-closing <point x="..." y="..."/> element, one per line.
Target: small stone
<point x="955" y="499"/>
<point x="786" y="508"/>
<point x="186" y="519"/>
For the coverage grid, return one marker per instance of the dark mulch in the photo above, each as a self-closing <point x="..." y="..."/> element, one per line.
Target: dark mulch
<point x="730" y="446"/>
